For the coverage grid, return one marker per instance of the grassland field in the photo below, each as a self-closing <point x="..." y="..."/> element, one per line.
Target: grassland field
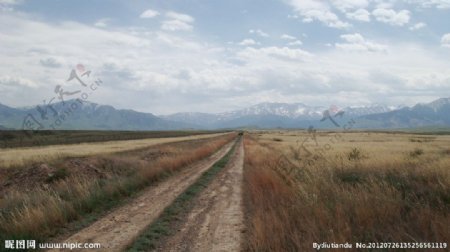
<point x="21" y="156"/>
<point x="18" y="138"/>
<point x="342" y="187"/>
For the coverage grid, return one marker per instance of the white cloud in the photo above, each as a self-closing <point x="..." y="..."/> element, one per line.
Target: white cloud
<point x="417" y="26"/>
<point x="440" y="4"/>
<point x="288" y="37"/>
<point x="102" y="22"/>
<point x="281" y="53"/>
<point x="392" y="17"/>
<point x="259" y="32"/>
<point x="10" y="2"/>
<point x="248" y="42"/>
<point x="311" y="10"/>
<point x="15" y="81"/>
<point x="7" y="5"/>
<point x="180" y="16"/>
<point x="384" y="4"/>
<point x="445" y="40"/>
<point x="360" y="15"/>
<point x="177" y="22"/>
<point x="149" y="14"/>
<point x="295" y="43"/>
<point x="356" y="42"/>
<point x="345" y="5"/>
<point x="51" y="62"/>
<point x="353" y="38"/>
<point x="176" y="25"/>
<point x="144" y="59"/>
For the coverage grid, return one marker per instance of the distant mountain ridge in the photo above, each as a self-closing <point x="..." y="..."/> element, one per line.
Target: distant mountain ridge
<point x="93" y="116"/>
<point x="272" y="115"/>
<point x="436" y="113"/>
<point x="84" y="115"/>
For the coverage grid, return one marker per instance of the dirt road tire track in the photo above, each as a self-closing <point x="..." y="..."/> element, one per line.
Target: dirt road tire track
<point x="118" y="229"/>
<point x="216" y="222"/>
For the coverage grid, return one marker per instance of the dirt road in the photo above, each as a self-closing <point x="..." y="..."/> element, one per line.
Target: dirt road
<point x="118" y="229"/>
<point x="216" y="221"/>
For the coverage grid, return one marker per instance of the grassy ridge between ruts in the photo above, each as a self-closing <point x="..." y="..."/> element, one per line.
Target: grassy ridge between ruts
<point x="41" y="213"/>
<point x="161" y="227"/>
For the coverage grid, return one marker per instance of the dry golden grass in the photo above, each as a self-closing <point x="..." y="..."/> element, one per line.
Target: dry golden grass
<point x="368" y="187"/>
<point x="39" y="213"/>
<point x="380" y="145"/>
<point x="22" y="156"/>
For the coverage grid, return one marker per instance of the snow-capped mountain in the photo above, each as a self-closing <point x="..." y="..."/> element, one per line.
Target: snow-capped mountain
<point x="370" y="109"/>
<point x="269" y="115"/>
<point x="437" y="104"/>
<point x="436" y="113"/>
<point x="290" y="110"/>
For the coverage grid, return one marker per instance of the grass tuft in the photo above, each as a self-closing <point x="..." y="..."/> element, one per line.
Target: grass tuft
<point x="59" y="174"/>
<point x="416" y="152"/>
<point x="355" y="154"/>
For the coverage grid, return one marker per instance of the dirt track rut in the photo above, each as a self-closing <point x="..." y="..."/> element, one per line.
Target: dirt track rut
<point x="118" y="229"/>
<point x="216" y="221"/>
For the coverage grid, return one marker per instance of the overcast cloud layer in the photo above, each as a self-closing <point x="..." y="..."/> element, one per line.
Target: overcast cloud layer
<point x="172" y="56"/>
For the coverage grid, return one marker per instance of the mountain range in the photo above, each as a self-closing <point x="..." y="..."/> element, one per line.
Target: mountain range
<point x="272" y="115"/>
<point x="436" y="113"/>
<point x="76" y="115"/>
<point x="85" y="115"/>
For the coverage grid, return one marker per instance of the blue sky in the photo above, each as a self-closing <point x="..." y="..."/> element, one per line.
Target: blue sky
<point x="213" y="56"/>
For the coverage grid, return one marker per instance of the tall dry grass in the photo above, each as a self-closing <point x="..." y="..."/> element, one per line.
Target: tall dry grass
<point x="39" y="214"/>
<point x="16" y="157"/>
<point x="268" y="200"/>
<point x="344" y="197"/>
